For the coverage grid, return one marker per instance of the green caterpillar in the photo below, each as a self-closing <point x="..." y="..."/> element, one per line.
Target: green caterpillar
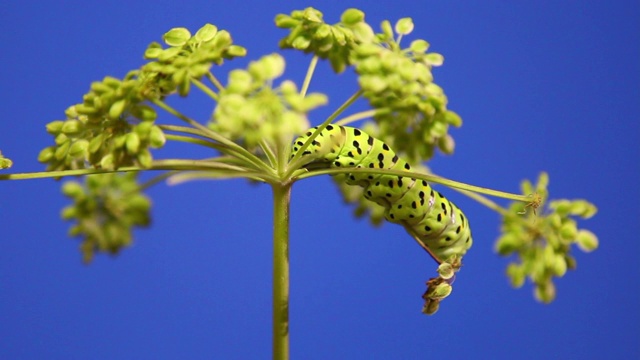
<point x="427" y="215"/>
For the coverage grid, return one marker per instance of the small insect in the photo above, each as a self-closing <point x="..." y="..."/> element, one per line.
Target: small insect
<point x="438" y="224"/>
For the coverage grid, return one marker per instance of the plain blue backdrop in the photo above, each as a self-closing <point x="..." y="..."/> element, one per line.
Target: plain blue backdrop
<point x="542" y="85"/>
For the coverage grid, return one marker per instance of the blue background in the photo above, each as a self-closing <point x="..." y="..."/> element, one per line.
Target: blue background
<point x="542" y="85"/>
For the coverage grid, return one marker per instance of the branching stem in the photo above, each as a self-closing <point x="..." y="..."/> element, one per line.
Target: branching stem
<point x="215" y="81"/>
<point x="295" y="161"/>
<point x="233" y="148"/>
<point x="309" y="75"/>
<point x="205" y="89"/>
<point x="429" y="178"/>
<point x="358" y="116"/>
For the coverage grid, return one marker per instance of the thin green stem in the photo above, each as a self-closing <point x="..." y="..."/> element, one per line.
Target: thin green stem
<point x="215" y="81"/>
<point x="185" y="130"/>
<point x="281" y="202"/>
<point x="232" y="148"/>
<point x="205" y="89"/>
<point x="183" y="177"/>
<point x="429" y="178"/>
<point x="192" y="140"/>
<point x="63" y="173"/>
<point x="266" y="148"/>
<point x="357" y="116"/>
<point x="486" y="202"/>
<point x="156" y="180"/>
<point x="295" y="161"/>
<point x="309" y="75"/>
<point x="230" y="170"/>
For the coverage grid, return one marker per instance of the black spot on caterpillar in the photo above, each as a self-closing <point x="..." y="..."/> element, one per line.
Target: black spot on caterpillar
<point x="437" y="223"/>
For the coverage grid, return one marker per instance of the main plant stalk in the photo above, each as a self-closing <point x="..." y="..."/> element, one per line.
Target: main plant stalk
<point x="281" y="201"/>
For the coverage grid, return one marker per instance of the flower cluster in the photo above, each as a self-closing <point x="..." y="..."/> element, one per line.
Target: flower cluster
<point x="309" y="33"/>
<point x="542" y="243"/>
<point x="411" y="109"/>
<point x="187" y="57"/>
<point x="250" y="110"/>
<point x="111" y="128"/>
<point x="105" y="209"/>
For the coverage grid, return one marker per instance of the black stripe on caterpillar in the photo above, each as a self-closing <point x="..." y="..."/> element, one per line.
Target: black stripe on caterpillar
<point x="427" y="215"/>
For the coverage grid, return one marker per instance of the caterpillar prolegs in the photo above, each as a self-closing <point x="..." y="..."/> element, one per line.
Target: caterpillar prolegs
<point x="427" y="215"/>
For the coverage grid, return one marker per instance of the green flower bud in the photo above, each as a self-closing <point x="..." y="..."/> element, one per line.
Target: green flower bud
<point x="117" y="108"/>
<point x="61" y="151"/>
<point x="107" y="162"/>
<point x="516" y="275"/>
<point x="46" y="154"/>
<point x="583" y="208"/>
<point x="545" y="293"/>
<point x="68" y="212"/>
<point x="156" y="137"/>
<point x="79" y="148"/>
<point x="453" y="118"/>
<point x="222" y="40"/>
<point x="561" y="207"/>
<point x="559" y="267"/>
<point x="153" y="51"/>
<point x="5" y="163"/>
<point x="240" y="82"/>
<point x="446" y="144"/>
<point x="569" y="230"/>
<point x="144" y="112"/>
<point x="526" y="187"/>
<point x="434" y="59"/>
<point x="206" y="33"/>
<point x="71" y="127"/>
<point x="372" y="83"/>
<point x="119" y="141"/>
<point x="555" y="220"/>
<point x="73" y="189"/>
<point x="176" y="36"/>
<point x="169" y="53"/>
<point x="143" y="129"/>
<point x="61" y="139"/>
<point x="75" y="230"/>
<point x="352" y="16"/>
<point x="55" y="127"/>
<point x="586" y="240"/>
<point x="285" y="21"/>
<point x="96" y="143"/>
<point x="419" y="46"/>
<point x="508" y="244"/>
<point x="446" y="271"/>
<point x="236" y="51"/>
<point x="387" y="31"/>
<point x="112" y="82"/>
<point x="539" y="270"/>
<point x="404" y="26"/>
<point x="132" y="143"/>
<point x="324" y="31"/>
<point x="144" y="158"/>
<point x="85" y="109"/>
<point x="543" y="181"/>
<point x="139" y="203"/>
<point x="441" y="291"/>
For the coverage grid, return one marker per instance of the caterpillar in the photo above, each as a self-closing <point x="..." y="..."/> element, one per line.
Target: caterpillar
<point x="438" y="224"/>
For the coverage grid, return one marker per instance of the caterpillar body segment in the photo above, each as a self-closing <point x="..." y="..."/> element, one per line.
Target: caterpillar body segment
<point x="426" y="214"/>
